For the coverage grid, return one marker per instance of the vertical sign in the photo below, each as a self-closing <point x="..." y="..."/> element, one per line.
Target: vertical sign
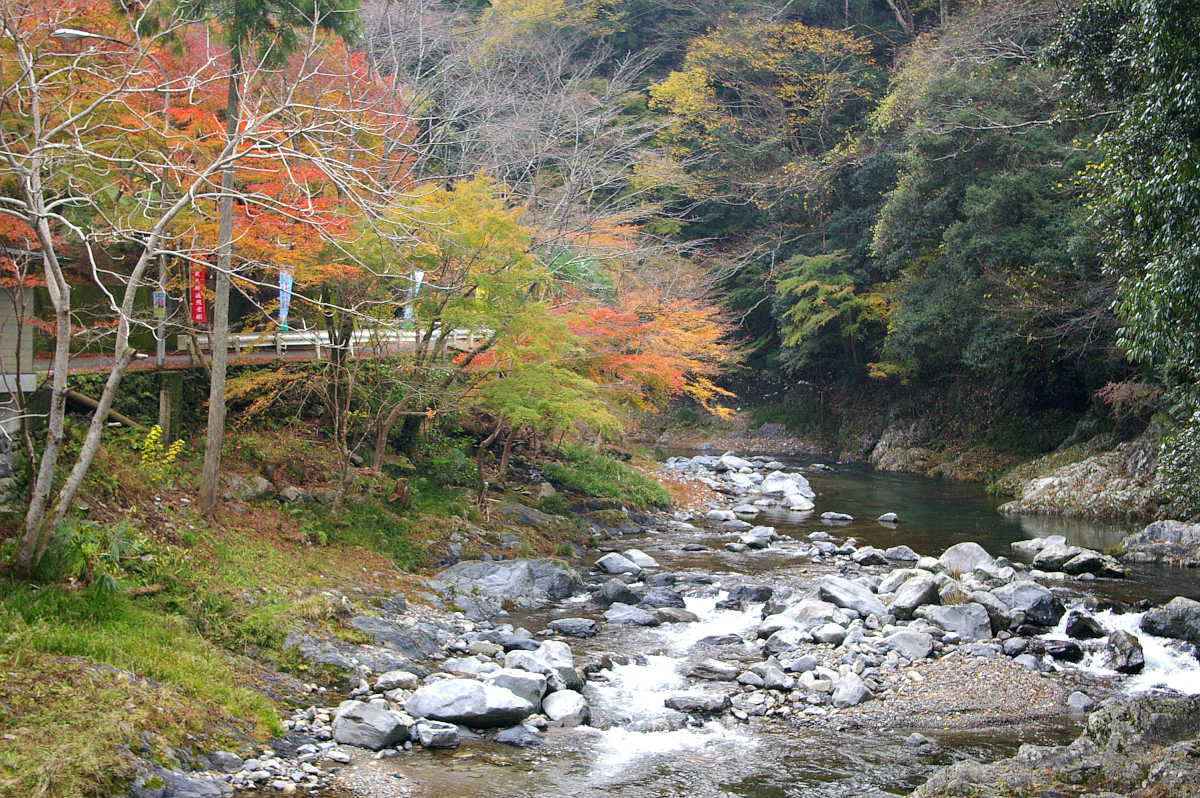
<point x="160" y="305"/>
<point x="285" y="298"/>
<point x="196" y="296"/>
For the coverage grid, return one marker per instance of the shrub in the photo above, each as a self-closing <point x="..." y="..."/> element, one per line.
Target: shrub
<point x="1178" y="477"/>
<point x="590" y="473"/>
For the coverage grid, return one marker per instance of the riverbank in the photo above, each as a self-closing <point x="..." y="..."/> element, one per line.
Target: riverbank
<point x="733" y="624"/>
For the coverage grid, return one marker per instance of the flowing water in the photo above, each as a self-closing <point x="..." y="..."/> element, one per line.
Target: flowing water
<point x="634" y="747"/>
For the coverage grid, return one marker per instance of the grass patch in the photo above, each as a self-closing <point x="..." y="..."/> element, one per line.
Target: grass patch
<point x="590" y="473"/>
<point x="372" y="524"/>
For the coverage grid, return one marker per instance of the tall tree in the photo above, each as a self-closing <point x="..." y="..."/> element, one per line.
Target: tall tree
<point x="266" y="32"/>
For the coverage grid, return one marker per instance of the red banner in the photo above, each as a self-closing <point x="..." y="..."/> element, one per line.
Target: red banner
<point x="196" y="296"/>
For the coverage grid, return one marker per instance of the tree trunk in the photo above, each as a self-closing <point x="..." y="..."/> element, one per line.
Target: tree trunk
<point x="504" y="455"/>
<point x="215" y="432"/>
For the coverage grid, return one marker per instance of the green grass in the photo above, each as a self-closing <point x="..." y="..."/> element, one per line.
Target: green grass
<point x="375" y="525"/>
<point x="590" y="473"/>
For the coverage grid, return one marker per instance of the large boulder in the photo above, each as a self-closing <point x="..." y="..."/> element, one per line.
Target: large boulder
<point x="613" y="563"/>
<point x="1124" y="653"/>
<point x="615" y="591"/>
<point x="526" y="685"/>
<point x="916" y="591"/>
<point x="968" y="621"/>
<point x="805" y="615"/>
<point x="468" y="702"/>
<point x="1039" y="604"/>
<point x="1082" y="626"/>
<point x="850" y="690"/>
<point x="778" y="483"/>
<point x="1179" y="618"/>
<point x="436" y="734"/>
<point x="574" y="627"/>
<point x="963" y="558"/>
<point x="911" y="644"/>
<point x="493" y="586"/>
<point x="1053" y="558"/>
<point x="624" y="613"/>
<point x="369" y="726"/>
<point x="553" y="659"/>
<point x="997" y="610"/>
<point x="641" y="559"/>
<point x="566" y="708"/>
<point x="662" y="597"/>
<point x="851" y="595"/>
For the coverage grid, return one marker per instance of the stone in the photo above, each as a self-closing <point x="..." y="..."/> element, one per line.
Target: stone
<point x="698" y="703"/>
<point x="721" y="515"/>
<point x="869" y="555"/>
<point x="901" y="554"/>
<point x="751" y="594"/>
<point x="662" y="597"/>
<point x="468" y="702"/>
<point x="1164" y="541"/>
<point x="165" y="783"/>
<point x="968" y="621"/>
<point x="641" y="559"/>
<point x="1179" y="619"/>
<point x="469" y="666"/>
<point x="931" y="564"/>
<point x="436" y="734"/>
<point x="522" y="736"/>
<point x="566" y="708"/>
<point x="553" y="659"/>
<point x="777" y="483"/>
<point x="495" y="586"/>
<point x="675" y="615"/>
<point x="714" y="670"/>
<point x="806" y="615"/>
<point x="910" y="644"/>
<point x="1124" y="653"/>
<point x="575" y="627"/>
<point x="1039" y="604"/>
<point x="1066" y="650"/>
<point x="963" y="558"/>
<point x="1082" y="626"/>
<point x="997" y="610"/>
<point x="225" y="761"/>
<point x="851" y="595"/>
<point x="1053" y="558"/>
<point x="832" y="516"/>
<point x="915" y="592"/>
<point x="613" y="563"/>
<point x="625" y="613"/>
<point x="368" y="726"/>
<point x="1028" y="661"/>
<point x="850" y="690"/>
<point x="888" y="518"/>
<point x="1080" y="702"/>
<point x="750" y="679"/>
<point x="396" y="680"/>
<point x="526" y="685"/>
<point x="786" y="640"/>
<point x="892" y="580"/>
<point x="615" y="591"/>
<point x="830" y="633"/>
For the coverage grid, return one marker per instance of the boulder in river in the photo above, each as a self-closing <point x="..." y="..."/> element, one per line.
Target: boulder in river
<point x="490" y="586"/>
<point x="566" y="708"/>
<point x="1124" y="653"/>
<point x="526" y="685"/>
<point x="575" y="627"/>
<point x="553" y="659"/>
<point x="915" y="592"/>
<point x="468" y="702"/>
<point x="662" y="597"/>
<point x="614" y="591"/>
<point x="1039" y="604"/>
<point x="968" y="621"/>
<point x="521" y="735"/>
<point x="910" y="644"/>
<point x="714" y="670"/>
<point x="369" y="726"/>
<point x="1179" y="618"/>
<point x="698" y="703"/>
<point x="1066" y="650"/>
<point x="613" y="563"/>
<point x="625" y="613"/>
<point x="1164" y="541"/>
<point x="888" y="518"/>
<point x="963" y="558"/>
<point x="641" y="559"/>
<point x="1082" y="626"/>
<point x="436" y="734"/>
<point x="850" y="690"/>
<point x="851" y="595"/>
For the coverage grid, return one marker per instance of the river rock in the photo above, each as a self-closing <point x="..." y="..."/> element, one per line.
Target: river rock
<point x="714" y="670"/>
<point x="1093" y="562"/>
<point x="751" y="594"/>
<point x="468" y="702"/>
<point x="1124" y="653"/>
<point x="892" y="580"/>
<point x="436" y="734"/>
<point x="963" y="558"/>
<point x="625" y="613"/>
<point x="640" y="558"/>
<point x="662" y="597"/>
<point x="1179" y="618"/>
<point x="721" y="515"/>
<point x="901" y="554"/>
<point x="675" y="615"/>
<point x="851" y="595"/>
<point x="698" y="703"/>
<point x="1080" y="702"/>
<point x="1066" y="650"/>
<point x="911" y="644"/>
<point x="913" y="593"/>
<point x="167" y="783"/>
<point x="1029" y="548"/>
<point x="522" y="736"/>
<point x="575" y="627"/>
<point x="1082" y="626"/>
<point x="615" y="591"/>
<point x="888" y="518"/>
<point x="869" y="555"/>
<point x="968" y="621"/>
<point x="1053" y="558"/>
<point x="731" y="462"/>
<point x="1039" y="604"/>
<point x="787" y="640"/>
<point x="777" y="483"/>
<point x="396" y="680"/>
<point x="566" y="708"/>
<point x="523" y="684"/>
<point x="369" y="726"/>
<point x="491" y="586"/>
<point x="553" y="659"/>
<point x="469" y="666"/>
<point x="1164" y="541"/>
<point x="613" y="563"/>
<point x="849" y="691"/>
<point x="829" y="633"/>
<point x="834" y="516"/>
<point x="997" y="610"/>
<point x="808" y="614"/>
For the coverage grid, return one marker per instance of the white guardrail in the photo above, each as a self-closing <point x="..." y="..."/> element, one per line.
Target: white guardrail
<point x="319" y="339"/>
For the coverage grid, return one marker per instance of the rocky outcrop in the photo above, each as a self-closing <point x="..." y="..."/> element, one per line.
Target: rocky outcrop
<point x="483" y="589"/>
<point x="1164" y="541"/>
<point x="1114" y="483"/>
<point x="468" y="702"/>
<point x="1125" y="748"/>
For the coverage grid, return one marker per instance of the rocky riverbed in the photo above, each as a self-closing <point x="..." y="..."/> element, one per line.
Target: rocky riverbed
<point x="692" y="640"/>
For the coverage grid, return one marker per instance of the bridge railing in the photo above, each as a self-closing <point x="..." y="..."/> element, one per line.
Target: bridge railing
<point x="318" y="339"/>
